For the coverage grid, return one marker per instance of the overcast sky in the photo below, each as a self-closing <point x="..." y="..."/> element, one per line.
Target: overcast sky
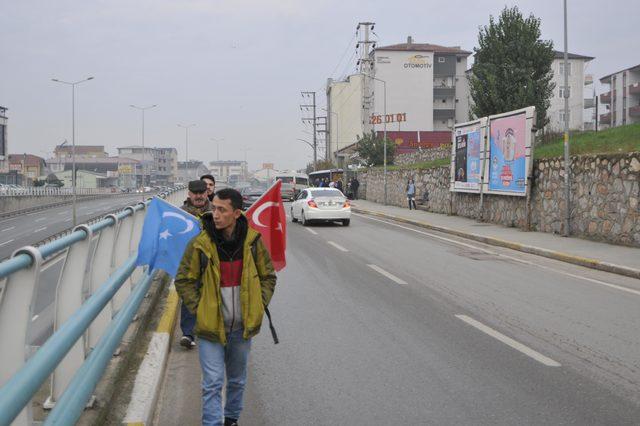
<point x="234" y="68"/>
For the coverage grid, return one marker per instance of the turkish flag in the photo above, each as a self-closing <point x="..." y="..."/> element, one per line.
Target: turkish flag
<point x="267" y="216"/>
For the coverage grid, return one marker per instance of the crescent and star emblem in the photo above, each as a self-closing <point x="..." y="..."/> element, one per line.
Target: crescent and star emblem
<point x="256" y="214"/>
<point x="166" y="234"/>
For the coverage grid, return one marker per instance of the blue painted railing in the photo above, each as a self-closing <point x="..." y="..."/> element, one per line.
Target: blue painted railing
<point x="98" y="290"/>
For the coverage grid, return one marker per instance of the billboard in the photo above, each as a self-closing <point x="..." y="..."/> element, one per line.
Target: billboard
<point x="509" y="152"/>
<point x="467" y="154"/>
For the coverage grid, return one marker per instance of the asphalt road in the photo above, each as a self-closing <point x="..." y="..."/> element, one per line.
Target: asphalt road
<point x="32" y="228"/>
<point x="383" y="323"/>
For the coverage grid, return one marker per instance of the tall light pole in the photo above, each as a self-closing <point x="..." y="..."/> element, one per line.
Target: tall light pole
<point x="567" y="166"/>
<point x="143" y="109"/>
<point x="384" y="121"/>
<point x="186" y="142"/>
<point x="217" y="141"/>
<point x="73" y="85"/>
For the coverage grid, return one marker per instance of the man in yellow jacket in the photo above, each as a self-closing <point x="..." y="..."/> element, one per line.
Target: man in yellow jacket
<point x="227" y="279"/>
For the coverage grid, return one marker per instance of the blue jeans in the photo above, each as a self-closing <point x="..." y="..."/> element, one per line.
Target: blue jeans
<point x="214" y="360"/>
<point x="187" y="321"/>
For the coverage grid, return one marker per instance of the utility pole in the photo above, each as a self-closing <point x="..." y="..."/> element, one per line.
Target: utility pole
<point x="365" y="64"/>
<point x="324" y="130"/>
<point x="312" y="96"/>
<point x="567" y="166"/>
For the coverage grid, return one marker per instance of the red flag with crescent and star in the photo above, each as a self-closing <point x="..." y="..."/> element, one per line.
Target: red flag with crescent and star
<point x="267" y="216"/>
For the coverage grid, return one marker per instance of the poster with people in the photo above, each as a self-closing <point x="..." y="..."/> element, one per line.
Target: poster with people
<point x="509" y="149"/>
<point x="467" y="153"/>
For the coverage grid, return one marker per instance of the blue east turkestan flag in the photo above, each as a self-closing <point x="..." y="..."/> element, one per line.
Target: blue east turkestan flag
<point x="165" y="234"/>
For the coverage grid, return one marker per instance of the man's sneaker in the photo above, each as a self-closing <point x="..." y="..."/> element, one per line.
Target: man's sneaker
<point x="230" y="422"/>
<point x="187" y="342"/>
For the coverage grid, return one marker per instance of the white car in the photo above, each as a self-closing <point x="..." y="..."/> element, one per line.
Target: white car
<point x="321" y="204"/>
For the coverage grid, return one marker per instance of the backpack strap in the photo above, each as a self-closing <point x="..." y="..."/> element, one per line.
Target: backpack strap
<point x="254" y="254"/>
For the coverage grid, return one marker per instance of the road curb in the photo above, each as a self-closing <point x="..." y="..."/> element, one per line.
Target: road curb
<point x="551" y="254"/>
<point x="147" y="386"/>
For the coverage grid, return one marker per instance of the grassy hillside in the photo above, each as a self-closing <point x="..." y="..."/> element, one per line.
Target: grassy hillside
<point x="615" y="140"/>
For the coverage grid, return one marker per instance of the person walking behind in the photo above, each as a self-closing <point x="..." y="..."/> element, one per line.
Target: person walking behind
<point x="355" y="184"/>
<point x="211" y="185"/>
<point x="339" y="184"/>
<point x="238" y="280"/>
<point x="411" y="193"/>
<point x="197" y="204"/>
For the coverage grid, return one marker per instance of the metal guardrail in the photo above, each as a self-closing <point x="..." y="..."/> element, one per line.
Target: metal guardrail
<point x="98" y="290"/>
<point x="34" y="191"/>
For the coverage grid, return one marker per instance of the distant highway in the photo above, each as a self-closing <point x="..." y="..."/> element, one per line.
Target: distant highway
<point x="31" y="228"/>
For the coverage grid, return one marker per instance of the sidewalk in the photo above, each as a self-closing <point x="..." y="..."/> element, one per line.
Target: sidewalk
<point x="603" y="256"/>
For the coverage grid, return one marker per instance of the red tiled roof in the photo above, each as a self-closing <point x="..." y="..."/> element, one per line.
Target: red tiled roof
<point x="29" y="159"/>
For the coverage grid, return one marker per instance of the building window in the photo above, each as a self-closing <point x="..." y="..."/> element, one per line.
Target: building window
<point x="441" y="59"/>
<point x="562" y="68"/>
<point x="459" y="59"/>
<point x="568" y="89"/>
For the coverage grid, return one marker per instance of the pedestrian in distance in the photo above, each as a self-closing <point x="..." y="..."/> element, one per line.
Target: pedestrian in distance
<point x="339" y="185"/>
<point x="237" y="280"/>
<point x="332" y="184"/>
<point x="211" y="185"/>
<point x="355" y="184"/>
<point x="411" y="194"/>
<point x="197" y="204"/>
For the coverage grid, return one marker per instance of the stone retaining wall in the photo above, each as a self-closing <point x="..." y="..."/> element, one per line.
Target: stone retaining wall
<point x="605" y="194"/>
<point x="443" y="151"/>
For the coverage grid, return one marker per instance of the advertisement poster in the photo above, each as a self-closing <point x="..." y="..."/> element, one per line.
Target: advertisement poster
<point x="507" y="161"/>
<point x="467" y="161"/>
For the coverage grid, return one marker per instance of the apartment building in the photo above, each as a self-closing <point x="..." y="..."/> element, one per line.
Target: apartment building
<point x="622" y="99"/>
<point x="159" y="166"/>
<point x="580" y="88"/>
<point x="224" y="170"/>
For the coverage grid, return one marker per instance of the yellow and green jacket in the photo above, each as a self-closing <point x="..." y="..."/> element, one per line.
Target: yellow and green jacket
<point x="201" y="293"/>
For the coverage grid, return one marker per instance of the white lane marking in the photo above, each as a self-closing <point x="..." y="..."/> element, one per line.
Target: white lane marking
<point x="312" y="231"/>
<point x="510" y="342"/>
<point x="61" y="213"/>
<point x="40" y="229"/>
<point x="41" y="219"/>
<point x="6" y="242"/>
<point x="338" y="246"/>
<point x="515" y="259"/>
<point x="68" y="220"/>
<point x="9" y="229"/>
<point x="34" y="213"/>
<point x="35" y="317"/>
<point x="387" y="274"/>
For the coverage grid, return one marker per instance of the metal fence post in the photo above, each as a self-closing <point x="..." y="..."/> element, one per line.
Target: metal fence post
<point x="69" y="298"/>
<point x="102" y="269"/>
<point x="138" y="221"/>
<point x="16" y="311"/>
<point x="121" y="249"/>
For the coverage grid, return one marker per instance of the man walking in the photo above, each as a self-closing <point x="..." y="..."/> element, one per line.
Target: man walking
<point x="211" y="185"/>
<point x="227" y="278"/>
<point x="197" y="204"/>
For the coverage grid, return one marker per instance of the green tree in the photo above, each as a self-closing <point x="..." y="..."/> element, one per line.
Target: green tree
<point x="512" y="67"/>
<point x="371" y="149"/>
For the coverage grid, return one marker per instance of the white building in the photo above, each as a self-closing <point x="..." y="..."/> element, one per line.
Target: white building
<point x="622" y="100"/>
<point x="426" y="85"/>
<point x="581" y="102"/>
<point x="345" y="112"/>
<point x="223" y="169"/>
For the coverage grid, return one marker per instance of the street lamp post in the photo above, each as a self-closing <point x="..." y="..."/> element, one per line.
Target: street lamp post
<point x="337" y="128"/>
<point x="217" y="141"/>
<point x="143" y="109"/>
<point x="384" y="121"/>
<point x="73" y="139"/>
<point x="567" y="160"/>
<point x="186" y="142"/>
